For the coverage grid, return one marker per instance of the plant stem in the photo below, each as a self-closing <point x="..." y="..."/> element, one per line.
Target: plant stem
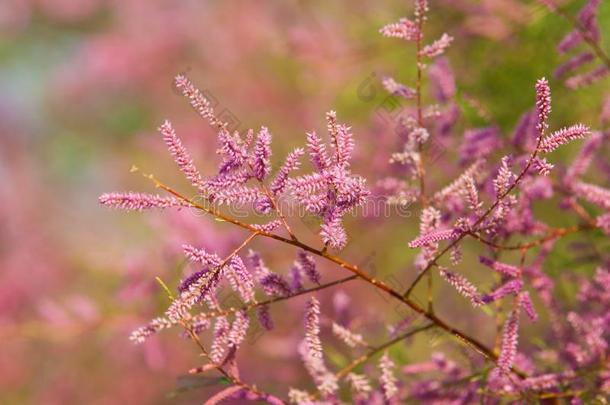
<point x="478" y="221"/>
<point x="253" y="305"/>
<point x="365" y="357"/>
<point x="458" y="334"/>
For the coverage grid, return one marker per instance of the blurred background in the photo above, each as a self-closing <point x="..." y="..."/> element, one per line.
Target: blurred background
<point x="85" y="83"/>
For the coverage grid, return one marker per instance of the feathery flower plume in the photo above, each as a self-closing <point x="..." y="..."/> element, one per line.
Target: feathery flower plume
<point x="272" y="284"/>
<point x="546" y="381"/>
<point x="299" y="396"/>
<point x="233" y="150"/>
<point x="139" y="201"/>
<point x="311" y="351"/>
<point x="333" y="233"/>
<point x="262" y="154"/>
<point x="317" y="152"/>
<point x="335" y="191"/>
<point x="573" y="63"/>
<point x="296" y="277"/>
<point x="528" y="305"/>
<point x="455" y="255"/>
<point x="198" y="101"/>
<point x="343" y="141"/>
<point x="222" y="328"/>
<point x="462" y="285"/>
<point x="397" y="89"/>
<point x="281" y="178"/>
<point x="404" y="29"/>
<point x="201" y="256"/>
<point x="570" y="41"/>
<point x="472" y="195"/>
<point x="181" y="155"/>
<point x="543" y="105"/>
<point x="453" y="188"/>
<point x="200" y="322"/>
<point x="430" y="220"/>
<point x="239" y="329"/>
<point x="239" y="195"/>
<point x="331" y="126"/>
<point x="433" y="237"/>
<point x="504" y="178"/>
<point x="502" y="268"/>
<point x="141" y="334"/>
<point x="308" y="264"/>
<point x="264" y="317"/>
<point x="240" y="279"/>
<point x="224" y="181"/>
<point x="275" y="285"/>
<point x="359" y="383"/>
<point x="268" y="227"/>
<point x="437" y="47"/>
<point x="510" y="336"/>
<point x="479" y="143"/>
<point x="442" y="80"/>
<point x="563" y="136"/>
<point x="259" y="267"/>
<point x="542" y="166"/>
<point x="584" y="158"/>
<point x="312" y="329"/>
<point x="190" y="280"/>
<point x="594" y="194"/>
<point x="348" y="337"/>
<point x="387" y="378"/>
<point x="199" y="289"/>
<point x="588" y="78"/>
<point x="512" y="287"/>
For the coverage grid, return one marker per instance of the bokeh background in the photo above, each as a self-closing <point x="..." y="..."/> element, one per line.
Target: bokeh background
<point x="85" y="83"/>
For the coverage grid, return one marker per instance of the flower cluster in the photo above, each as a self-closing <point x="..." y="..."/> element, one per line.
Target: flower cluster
<point x="492" y="202"/>
<point x="331" y="190"/>
<point x="585" y="32"/>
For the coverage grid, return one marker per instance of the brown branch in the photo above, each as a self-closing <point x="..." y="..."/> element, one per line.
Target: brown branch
<point x="479" y="220"/>
<point x="555" y="234"/>
<point x="458" y="334"/>
<point x="365" y="357"/>
<point x="250" y="307"/>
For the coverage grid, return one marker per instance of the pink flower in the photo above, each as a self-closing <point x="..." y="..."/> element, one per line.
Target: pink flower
<point x="462" y="285"/>
<point x="139" y="201"/>
<point x="594" y="194"/>
<point x="438" y="47"/>
<point x="543" y="104"/>
<point x="404" y="29"/>
<point x="433" y="237"/>
<point x="262" y="154"/>
<point x="181" y="155"/>
<point x="563" y="136"/>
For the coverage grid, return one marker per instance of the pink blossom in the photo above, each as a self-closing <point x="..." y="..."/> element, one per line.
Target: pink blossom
<point x="438" y="47"/>
<point x="404" y="29"/>
<point x="462" y="285"/>
<point x="139" y="201"/>
<point x="433" y="237"/>
<point x="594" y="194"/>
<point x="563" y="136"/>
<point x="181" y="155"/>
<point x="543" y="104"/>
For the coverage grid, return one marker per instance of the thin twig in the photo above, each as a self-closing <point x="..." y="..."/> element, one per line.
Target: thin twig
<point x="247" y="308"/>
<point x="478" y="221"/>
<point x="365" y="357"/>
<point x="458" y="334"/>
